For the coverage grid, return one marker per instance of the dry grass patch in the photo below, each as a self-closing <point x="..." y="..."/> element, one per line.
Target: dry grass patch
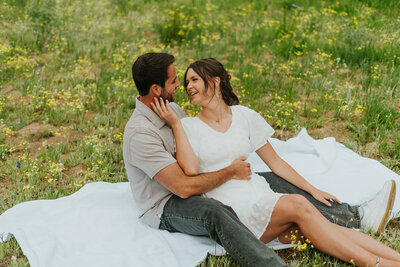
<point x="76" y="171"/>
<point x="4" y="185"/>
<point x="35" y="129"/>
<point x="37" y="136"/>
<point x="394" y="224"/>
<point x="371" y="150"/>
<point x="5" y="262"/>
<point x="284" y="134"/>
<point x="331" y="129"/>
<point x="11" y="91"/>
<point x="89" y="116"/>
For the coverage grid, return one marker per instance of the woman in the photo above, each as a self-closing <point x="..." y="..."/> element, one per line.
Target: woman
<point x="223" y="131"/>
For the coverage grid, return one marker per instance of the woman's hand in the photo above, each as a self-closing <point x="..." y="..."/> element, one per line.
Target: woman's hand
<point x="185" y="156"/>
<point x="324" y="197"/>
<point x="164" y="111"/>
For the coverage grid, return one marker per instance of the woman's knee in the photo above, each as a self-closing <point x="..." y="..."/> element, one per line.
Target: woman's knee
<point x="295" y="205"/>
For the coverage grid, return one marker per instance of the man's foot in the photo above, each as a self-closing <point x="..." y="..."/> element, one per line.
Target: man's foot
<point x="376" y="211"/>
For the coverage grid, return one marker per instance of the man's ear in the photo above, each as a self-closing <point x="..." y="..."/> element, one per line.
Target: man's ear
<point x="155" y="90"/>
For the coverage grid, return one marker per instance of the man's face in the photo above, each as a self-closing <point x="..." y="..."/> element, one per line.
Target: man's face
<point x="171" y="84"/>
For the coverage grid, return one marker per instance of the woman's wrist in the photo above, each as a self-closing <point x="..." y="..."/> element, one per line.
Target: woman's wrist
<point x="176" y="124"/>
<point x="310" y="189"/>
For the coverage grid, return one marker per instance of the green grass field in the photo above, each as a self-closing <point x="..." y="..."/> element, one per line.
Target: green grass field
<point x="66" y="90"/>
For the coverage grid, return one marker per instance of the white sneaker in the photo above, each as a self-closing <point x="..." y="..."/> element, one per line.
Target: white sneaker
<point x="377" y="210"/>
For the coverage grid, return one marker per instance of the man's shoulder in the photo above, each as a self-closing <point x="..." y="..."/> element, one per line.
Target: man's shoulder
<point x="139" y="124"/>
<point x="177" y="109"/>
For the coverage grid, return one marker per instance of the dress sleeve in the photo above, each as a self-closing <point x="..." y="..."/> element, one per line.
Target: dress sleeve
<point x="190" y="129"/>
<point x="259" y="130"/>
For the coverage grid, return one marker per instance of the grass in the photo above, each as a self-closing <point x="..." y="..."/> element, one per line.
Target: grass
<point x="66" y="90"/>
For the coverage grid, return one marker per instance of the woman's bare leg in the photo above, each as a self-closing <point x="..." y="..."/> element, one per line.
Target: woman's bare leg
<point x="292" y="234"/>
<point x="365" y="241"/>
<point x="371" y="245"/>
<point x="326" y="236"/>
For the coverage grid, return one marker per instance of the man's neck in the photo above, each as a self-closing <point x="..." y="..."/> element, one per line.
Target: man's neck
<point x="146" y="100"/>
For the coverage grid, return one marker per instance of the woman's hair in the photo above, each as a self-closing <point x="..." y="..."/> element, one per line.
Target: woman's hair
<point x="208" y="69"/>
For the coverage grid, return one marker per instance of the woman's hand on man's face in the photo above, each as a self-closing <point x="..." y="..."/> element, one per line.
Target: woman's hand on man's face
<point x="164" y="111"/>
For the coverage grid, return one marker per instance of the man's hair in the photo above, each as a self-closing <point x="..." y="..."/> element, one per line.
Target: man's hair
<point x="149" y="69"/>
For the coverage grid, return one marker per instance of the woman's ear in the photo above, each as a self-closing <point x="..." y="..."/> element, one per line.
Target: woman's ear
<point x="155" y="90"/>
<point x="217" y="81"/>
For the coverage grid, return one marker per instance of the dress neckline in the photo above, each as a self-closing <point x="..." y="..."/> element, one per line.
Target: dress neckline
<point x="208" y="126"/>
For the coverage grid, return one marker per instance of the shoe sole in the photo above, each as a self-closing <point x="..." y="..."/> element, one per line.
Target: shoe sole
<point x="389" y="208"/>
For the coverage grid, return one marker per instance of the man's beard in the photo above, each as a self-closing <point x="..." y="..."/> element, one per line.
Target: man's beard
<point x="167" y="96"/>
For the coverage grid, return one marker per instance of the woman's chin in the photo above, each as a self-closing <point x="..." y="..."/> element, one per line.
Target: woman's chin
<point x="195" y="101"/>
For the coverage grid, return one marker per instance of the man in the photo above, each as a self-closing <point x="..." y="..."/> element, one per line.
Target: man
<point x="172" y="201"/>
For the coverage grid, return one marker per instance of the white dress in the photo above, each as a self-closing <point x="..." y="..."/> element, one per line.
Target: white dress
<point x="252" y="200"/>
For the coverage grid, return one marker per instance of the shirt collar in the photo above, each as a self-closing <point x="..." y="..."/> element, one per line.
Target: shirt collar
<point x="149" y="114"/>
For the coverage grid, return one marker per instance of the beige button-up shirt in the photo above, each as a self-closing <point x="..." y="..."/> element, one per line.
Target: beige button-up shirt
<point x="148" y="147"/>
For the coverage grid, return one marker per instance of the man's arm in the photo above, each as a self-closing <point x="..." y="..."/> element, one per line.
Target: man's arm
<point x="147" y="152"/>
<point x="174" y="179"/>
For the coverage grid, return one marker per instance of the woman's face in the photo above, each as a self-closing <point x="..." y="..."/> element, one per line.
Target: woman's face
<point x="196" y="88"/>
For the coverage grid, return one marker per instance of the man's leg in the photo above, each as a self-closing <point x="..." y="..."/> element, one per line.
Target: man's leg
<point x="208" y="217"/>
<point x="341" y="214"/>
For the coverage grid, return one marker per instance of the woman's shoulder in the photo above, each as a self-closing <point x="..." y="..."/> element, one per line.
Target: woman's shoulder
<point x="248" y="114"/>
<point x="243" y="110"/>
<point x="191" y="127"/>
<point x="189" y="121"/>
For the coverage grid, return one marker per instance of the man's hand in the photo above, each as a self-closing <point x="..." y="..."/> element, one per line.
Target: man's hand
<point x="164" y="111"/>
<point x="241" y="169"/>
<point x="324" y="197"/>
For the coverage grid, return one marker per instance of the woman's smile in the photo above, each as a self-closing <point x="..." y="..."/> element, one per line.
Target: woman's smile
<point x="195" y="86"/>
<point x="192" y="93"/>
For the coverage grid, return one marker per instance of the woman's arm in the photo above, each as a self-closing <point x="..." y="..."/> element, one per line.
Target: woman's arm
<point x="185" y="156"/>
<point x="283" y="169"/>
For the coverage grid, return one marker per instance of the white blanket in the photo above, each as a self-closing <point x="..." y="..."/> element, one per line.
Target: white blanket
<point x="98" y="225"/>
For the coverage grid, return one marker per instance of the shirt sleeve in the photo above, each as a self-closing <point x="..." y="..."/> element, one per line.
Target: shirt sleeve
<point x="259" y="130"/>
<point x="147" y="152"/>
